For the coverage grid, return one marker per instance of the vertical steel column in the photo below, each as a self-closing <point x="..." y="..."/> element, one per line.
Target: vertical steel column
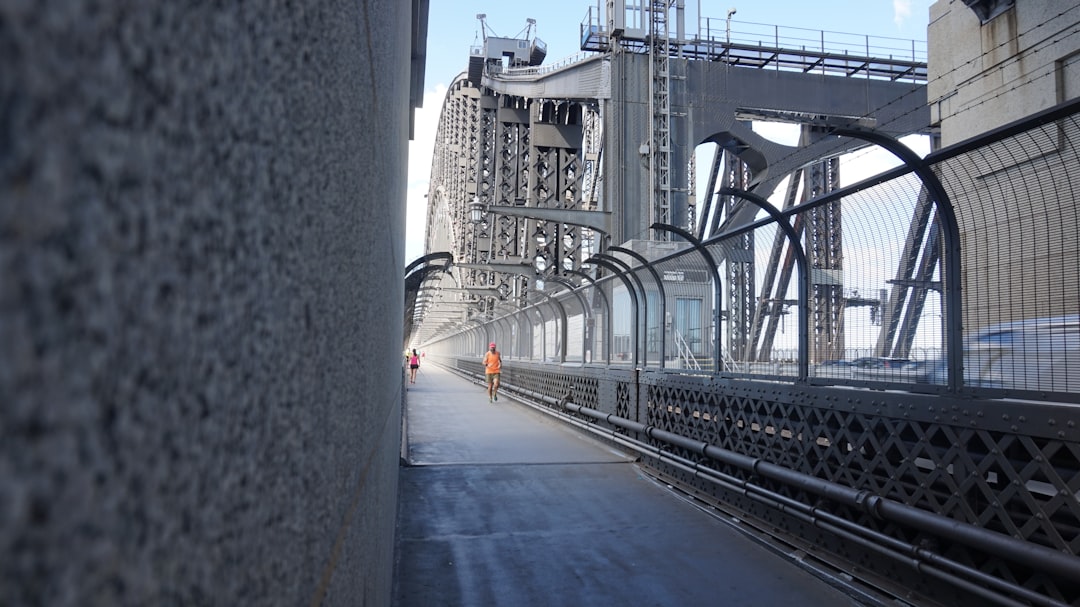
<point x="913" y="278"/>
<point x="484" y="161"/>
<point x="511" y="174"/>
<point x="740" y="266"/>
<point x="710" y="187"/>
<point x="824" y="233"/>
<point x="555" y="178"/>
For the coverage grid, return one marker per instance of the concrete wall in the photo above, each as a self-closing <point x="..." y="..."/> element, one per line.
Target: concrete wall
<point x="982" y="76"/>
<point x="201" y="221"/>
<point x="1015" y="205"/>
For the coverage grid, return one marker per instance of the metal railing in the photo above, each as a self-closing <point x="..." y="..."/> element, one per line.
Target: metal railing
<point x="928" y="498"/>
<point x="684" y="354"/>
<point x="759" y="45"/>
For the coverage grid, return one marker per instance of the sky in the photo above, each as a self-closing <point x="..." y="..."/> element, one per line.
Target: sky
<point x="453" y="28"/>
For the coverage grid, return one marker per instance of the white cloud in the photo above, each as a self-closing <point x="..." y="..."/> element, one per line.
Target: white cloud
<point x="901" y="11"/>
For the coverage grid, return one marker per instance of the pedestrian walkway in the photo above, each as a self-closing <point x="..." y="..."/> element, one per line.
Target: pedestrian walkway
<point x="502" y="505"/>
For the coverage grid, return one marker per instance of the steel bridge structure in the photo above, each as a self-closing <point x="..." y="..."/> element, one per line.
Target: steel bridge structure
<point x="826" y="361"/>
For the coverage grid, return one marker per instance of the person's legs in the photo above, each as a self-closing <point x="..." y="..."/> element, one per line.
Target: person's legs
<point x="490" y="379"/>
<point x="495" y="387"/>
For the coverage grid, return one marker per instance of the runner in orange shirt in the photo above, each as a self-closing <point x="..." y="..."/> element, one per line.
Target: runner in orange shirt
<point x="492" y="370"/>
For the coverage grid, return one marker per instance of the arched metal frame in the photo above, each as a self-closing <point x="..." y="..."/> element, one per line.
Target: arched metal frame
<point x="718" y="287"/>
<point x="417" y="273"/>
<point x="663" y="302"/>
<point x="443" y="255"/>
<point x="954" y="348"/>
<point x="471" y="334"/>
<point x="524" y="329"/>
<point x="633" y="296"/>
<point x="506" y="337"/>
<point x="605" y="343"/>
<point x="804" y="272"/>
<point x="543" y="332"/>
<point x="513" y="336"/>
<point x="643" y="317"/>
<point x="488" y="337"/>
<point x="584" y="312"/>
<point x="560" y="330"/>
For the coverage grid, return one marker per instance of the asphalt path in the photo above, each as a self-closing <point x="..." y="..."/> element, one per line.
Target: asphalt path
<point x="502" y="505"/>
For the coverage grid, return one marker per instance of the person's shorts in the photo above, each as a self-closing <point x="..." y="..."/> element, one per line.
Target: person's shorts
<point x="491" y="377"/>
<point x="414" y="366"/>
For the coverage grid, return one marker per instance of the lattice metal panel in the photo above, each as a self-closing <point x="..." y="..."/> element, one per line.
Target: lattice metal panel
<point x="970" y="463"/>
<point x="485" y="176"/>
<point x="624" y="403"/>
<point x="469" y="153"/>
<point x="512" y="171"/>
<point x="552" y="385"/>
<point x="555" y="182"/>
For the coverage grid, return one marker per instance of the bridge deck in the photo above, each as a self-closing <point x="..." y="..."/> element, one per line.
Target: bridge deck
<point x="501" y="505"/>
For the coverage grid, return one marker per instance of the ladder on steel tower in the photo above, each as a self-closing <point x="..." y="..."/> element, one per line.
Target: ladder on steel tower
<point x="660" y="109"/>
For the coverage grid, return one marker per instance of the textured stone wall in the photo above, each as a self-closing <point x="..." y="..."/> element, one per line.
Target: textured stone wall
<point x="201" y="221"/>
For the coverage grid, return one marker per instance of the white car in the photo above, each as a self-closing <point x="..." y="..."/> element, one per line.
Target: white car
<point x="1034" y="354"/>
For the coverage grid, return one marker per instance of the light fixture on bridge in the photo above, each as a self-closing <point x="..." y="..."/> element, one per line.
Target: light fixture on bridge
<point x="476" y="210"/>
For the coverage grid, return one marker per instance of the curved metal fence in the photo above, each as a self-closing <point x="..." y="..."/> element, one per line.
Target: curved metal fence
<point x="852" y="288"/>
<point x="910" y="414"/>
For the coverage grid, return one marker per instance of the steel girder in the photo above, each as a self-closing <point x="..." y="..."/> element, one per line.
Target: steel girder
<point x="913" y="282"/>
<point x="740" y="266"/>
<point x="555" y="182"/>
